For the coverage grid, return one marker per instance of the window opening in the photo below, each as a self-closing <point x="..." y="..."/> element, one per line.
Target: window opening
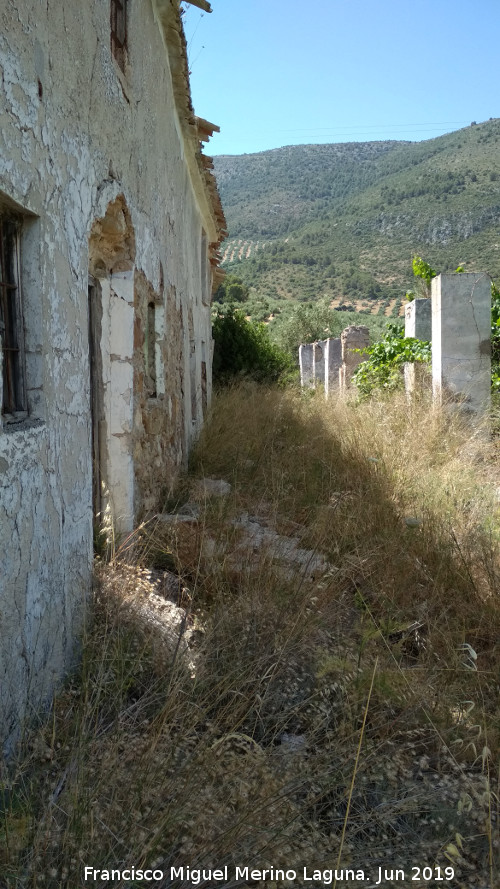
<point x="204" y="386"/>
<point x="96" y="390"/>
<point x="119" y="31"/>
<point x="204" y="396"/>
<point x="192" y="364"/>
<point x="151" y="350"/>
<point x="11" y="319"/>
<point x="206" y="295"/>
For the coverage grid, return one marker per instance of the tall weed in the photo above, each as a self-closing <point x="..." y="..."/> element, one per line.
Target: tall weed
<point x="352" y="709"/>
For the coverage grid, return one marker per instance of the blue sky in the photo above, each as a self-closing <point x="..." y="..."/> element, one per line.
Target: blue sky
<point x="287" y="72"/>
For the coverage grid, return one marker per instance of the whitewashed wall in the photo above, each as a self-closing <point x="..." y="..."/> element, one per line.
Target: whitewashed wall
<point x="74" y="134"/>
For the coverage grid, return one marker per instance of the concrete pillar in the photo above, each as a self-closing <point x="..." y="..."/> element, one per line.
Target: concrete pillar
<point x="417" y="377"/>
<point x="333" y="363"/>
<point x="306" y="362"/>
<point x="418" y="324"/>
<point x="352" y="338"/>
<point x="117" y="348"/>
<point x="418" y="319"/>
<point x="461" y="339"/>
<point x="319" y="362"/>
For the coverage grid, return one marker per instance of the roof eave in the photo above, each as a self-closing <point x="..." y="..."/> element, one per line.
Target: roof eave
<point x="194" y="130"/>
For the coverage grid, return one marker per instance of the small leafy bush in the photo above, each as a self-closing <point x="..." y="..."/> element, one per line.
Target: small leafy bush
<point x="423" y="270"/>
<point x="382" y="370"/>
<point x="243" y="348"/>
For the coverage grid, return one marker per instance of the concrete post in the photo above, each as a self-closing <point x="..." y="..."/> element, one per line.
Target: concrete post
<point x="333" y="363"/>
<point x="117" y="347"/>
<point x="306" y="361"/>
<point x="417" y="377"/>
<point x="461" y="339"/>
<point x="319" y="362"/>
<point x="418" y="319"/>
<point x="352" y="338"/>
<point x="418" y="324"/>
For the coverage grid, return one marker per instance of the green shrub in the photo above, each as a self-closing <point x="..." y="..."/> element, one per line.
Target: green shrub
<point x="243" y="348"/>
<point x="231" y="290"/>
<point x="382" y="370"/>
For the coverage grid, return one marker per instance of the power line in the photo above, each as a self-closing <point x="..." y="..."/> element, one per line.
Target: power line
<point x="432" y="123"/>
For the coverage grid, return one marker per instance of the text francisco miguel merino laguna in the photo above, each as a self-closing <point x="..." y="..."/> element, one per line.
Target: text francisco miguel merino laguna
<point x="197" y="876"/>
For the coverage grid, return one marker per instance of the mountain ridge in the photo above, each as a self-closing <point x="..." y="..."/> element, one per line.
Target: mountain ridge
<point x="341" y="221"/>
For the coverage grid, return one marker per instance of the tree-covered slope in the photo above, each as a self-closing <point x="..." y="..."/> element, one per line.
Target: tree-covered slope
<point x="343" y="221"/>
<point x="273" y="192"/>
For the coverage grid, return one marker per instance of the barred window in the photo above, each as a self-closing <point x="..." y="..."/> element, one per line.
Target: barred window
<point x="119" y="31"/>
<point x="11" y="319"/>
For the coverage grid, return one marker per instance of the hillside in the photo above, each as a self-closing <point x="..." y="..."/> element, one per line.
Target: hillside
<point x="342" y="221"/>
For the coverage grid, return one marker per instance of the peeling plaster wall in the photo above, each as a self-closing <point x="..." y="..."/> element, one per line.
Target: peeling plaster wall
<point x="75" y="133"/>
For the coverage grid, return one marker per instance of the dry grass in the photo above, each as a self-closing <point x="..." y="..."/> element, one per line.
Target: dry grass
<point x="354" y="707"/>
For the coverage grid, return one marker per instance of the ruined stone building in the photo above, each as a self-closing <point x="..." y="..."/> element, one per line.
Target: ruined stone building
<point x="109" y="227"/>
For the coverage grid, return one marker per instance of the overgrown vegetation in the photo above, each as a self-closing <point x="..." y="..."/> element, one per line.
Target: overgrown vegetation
<point x="495" y="338"/>
<point x="425" y="272"/>
<point x="310" y="322"/>
<point x="243" y="348"/>
<point x="231" y="290"/>
<point x="380" y="640"/>
<point x="383" y="369"/>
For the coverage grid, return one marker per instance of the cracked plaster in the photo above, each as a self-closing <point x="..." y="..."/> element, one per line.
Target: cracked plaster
<point x="92" y="136"/>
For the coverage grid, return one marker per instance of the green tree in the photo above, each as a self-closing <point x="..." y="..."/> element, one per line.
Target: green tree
<point x="243" y="348"/>
<point x="309" y="322"/>
<point x="232" y="290"/>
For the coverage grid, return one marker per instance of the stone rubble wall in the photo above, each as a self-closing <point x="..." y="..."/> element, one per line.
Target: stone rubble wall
<point x="354" y="340"/>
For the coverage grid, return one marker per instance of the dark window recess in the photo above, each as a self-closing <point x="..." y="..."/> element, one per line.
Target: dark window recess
<point x="204" y="386"/>
<point x="151" y="351"/>
<point x="194" y="393"/>
<point x="119" y="31"/>
<point x="96" y="390"/>
<point x="11" y="319"/>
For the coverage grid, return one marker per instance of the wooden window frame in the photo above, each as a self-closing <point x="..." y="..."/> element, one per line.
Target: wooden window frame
<point x="14" y="399"/>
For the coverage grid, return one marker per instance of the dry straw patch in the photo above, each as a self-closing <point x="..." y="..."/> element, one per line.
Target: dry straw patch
<point x="353" y="710"/>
